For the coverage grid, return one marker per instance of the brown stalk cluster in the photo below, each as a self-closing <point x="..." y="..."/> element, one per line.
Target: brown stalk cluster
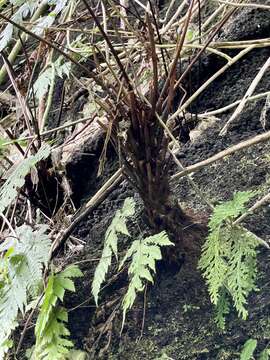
<point x="141" y="140"/>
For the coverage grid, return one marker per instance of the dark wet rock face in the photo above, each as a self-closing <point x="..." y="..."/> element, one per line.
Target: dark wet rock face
<point x="179" y="317"/>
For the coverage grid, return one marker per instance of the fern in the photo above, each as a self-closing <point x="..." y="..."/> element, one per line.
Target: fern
<point x="20" y="271"/>
<point x="118" y="226"/>
<point x="222" y="308"/>
<point x="51" y="332"/>
<point x="228" y="259"/>
<point x="248" y="349"/>
<point x="144" y="254"/>
<point x="43" y="82"/>
<point x="16" y="180"/>
<point x="264" y="355"/>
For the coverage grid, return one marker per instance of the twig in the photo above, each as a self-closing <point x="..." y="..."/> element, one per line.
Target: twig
<point x="59" y="50"/>
<point x="111" y="47"/>
<point x="49" y="98"/>
<point x="165" y="28"/>
<point x="251" y="5"/>
<point x="26" y="325"/>
<point x="263" y="201"/>
<point x="21" y="99"/>
<point x="241" y="44"/>
<point x="249" y="92"/>
<point x="232" y="105"/>
<point x="101" y="194"/>
<point x="62" y="127"/>
<point x="9" y="225"/>
<point x="242" y="145"/>
<point x="192" y="182"/>
<point x="209" y="81"/>
<point x="105" y="25"/>
<point x="172" y="70"/>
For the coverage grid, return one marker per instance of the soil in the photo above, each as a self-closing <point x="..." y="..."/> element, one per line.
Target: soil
<point x="179" y="321"/>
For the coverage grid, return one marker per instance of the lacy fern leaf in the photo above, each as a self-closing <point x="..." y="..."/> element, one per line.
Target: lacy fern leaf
<point x="58" y="68"/>
<point x="144" y="254"/>
<point x="228" y="259"/>
<point x="230" y="209"/>
<point x="118" y="226"/>
<point x="248" y="349"/>
<point x="16" y="180"/>
<point x="20" y="271"/>
<point x="51" y="331"/>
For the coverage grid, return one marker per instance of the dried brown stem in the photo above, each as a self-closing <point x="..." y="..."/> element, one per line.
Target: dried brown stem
<point x="242" y="145"/>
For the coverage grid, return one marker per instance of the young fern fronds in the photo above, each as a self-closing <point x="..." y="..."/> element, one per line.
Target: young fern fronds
<point x="144" y="254"/>
<point x="16" y="180"/>
<point x="20" y="272"/>
<point x="228" y="260"/>
<point x="118" y="226"/>
<point x="51" y="331"/>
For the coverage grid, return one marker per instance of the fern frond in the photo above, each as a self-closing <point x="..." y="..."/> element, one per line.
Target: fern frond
<point x="213" y="264"/>
<point x="117" y="226"/>
<point x="248" y="349"/>
<point x="55" y="344"/>
<point x="22" y="268"/>
<point x="144" y="254"/>
<point x="230" y="209"/>
<point x="242" y="269"/>
<point x="222" y="309"/>
<point x="58" y="68"/>
<point x="35" y="247"/>
<point x="228" y="260"/>
<point x="16" y="180"/>
<point x="51" y="331"/>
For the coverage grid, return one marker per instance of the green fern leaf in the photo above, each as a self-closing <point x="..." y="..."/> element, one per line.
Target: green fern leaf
<point x="242" y="269"/>
<point x="213" y="264"/>
<point x="118" y="226"/>
<point x="43" y="82"/>
<point x="222" y="309"/>
<point x="144" y="254"/>
<point x="55" y="345"/>
<point x="248" y="349"/>
<point x="230" y="209"/>
<point x="16" y="180"/>
<point x="51" y="332"/>
<point x="264" y="355"/>
<point x="228" y="260"/>
<point x="22" y="268"/>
